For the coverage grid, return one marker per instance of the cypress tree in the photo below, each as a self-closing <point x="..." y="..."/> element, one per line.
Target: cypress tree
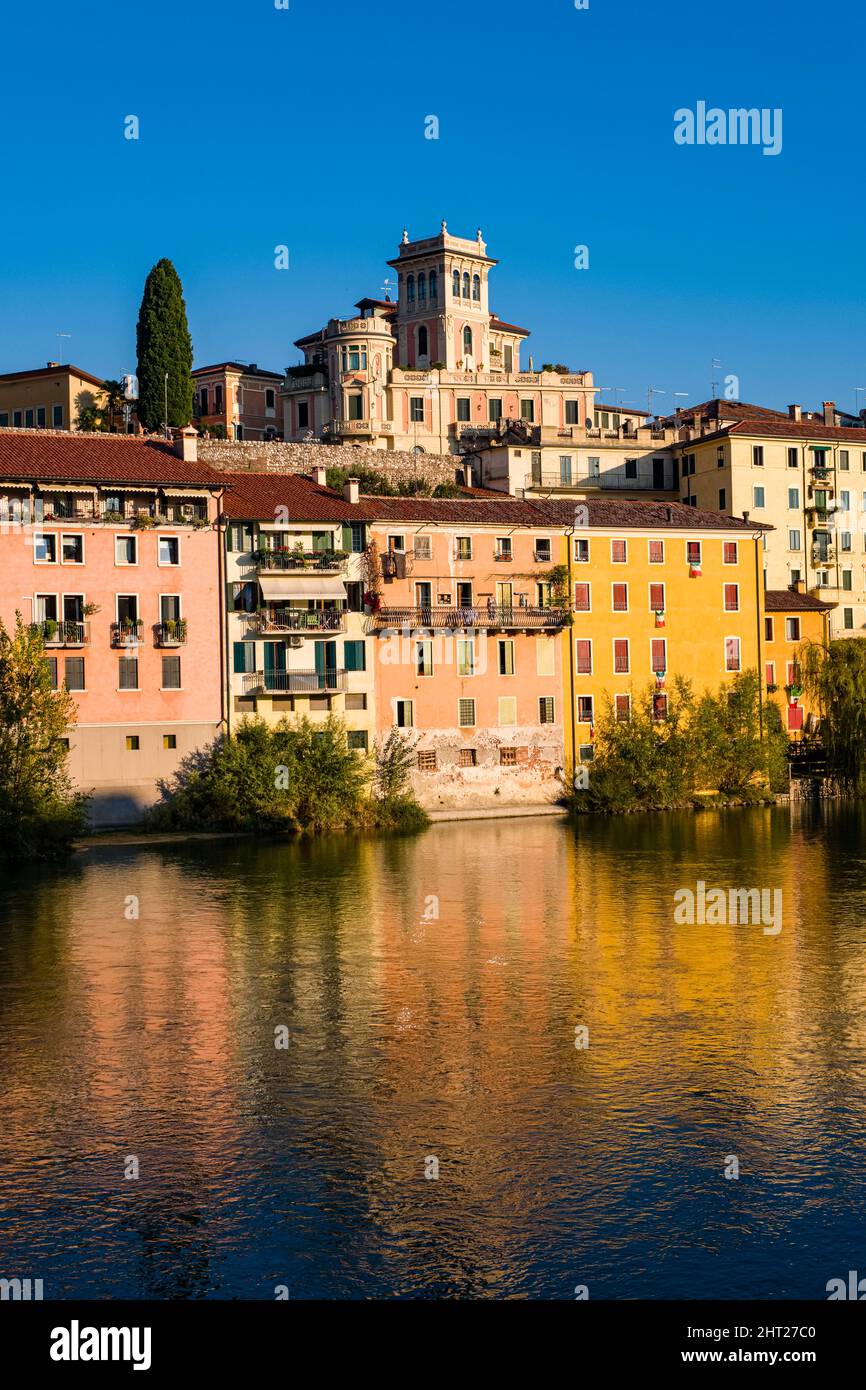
<point x="163" y="345"/>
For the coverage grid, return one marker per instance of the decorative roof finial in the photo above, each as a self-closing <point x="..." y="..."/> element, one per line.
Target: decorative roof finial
<point x="405" y="237"/>
<point x="478" y="233"/>
<point x="444" y="226"/>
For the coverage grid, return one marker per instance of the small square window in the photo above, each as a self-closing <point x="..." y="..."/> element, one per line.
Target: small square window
<point x="467" y="757"/>
<point x="427" y="760"/>
<point x="357" y="739"/>
<point x="546" y="710"/>
<point x="169" y="550"/>
<point x="171" y="673"/>
<point x="619" y="552"/>
<point x="132" y="743"/>
<point x="466" y="714"/>
<point x="169" y="740"/>
<point x="508" y="757"/>
<point x="72" y="550"/>
<point x="405" y="714"/>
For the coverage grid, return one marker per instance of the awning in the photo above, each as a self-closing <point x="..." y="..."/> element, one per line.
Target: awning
<point x="287" y="586"/>
<point x="188" y="492"/>
<point x="66" y="487"/>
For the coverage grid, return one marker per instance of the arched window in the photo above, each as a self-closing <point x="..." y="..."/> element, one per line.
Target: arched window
<point x="466" y="284"/>
<point x="422" y="285"/>
<point x="467" y="341"/>
<point x="455" y="284"/>
<point x="434" y="287"/>
<point x="410" y="290"/>
<point x="476" y="286"/>
<point x="422" y="341"/>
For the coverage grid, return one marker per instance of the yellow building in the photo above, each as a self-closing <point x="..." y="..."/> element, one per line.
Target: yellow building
<point x="791" y="618"/>
<point x="49" y="398"/>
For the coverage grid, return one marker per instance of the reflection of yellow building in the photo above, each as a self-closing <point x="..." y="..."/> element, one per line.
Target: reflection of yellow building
<point x="791" y="617"/>
<point x="49" y="398"/>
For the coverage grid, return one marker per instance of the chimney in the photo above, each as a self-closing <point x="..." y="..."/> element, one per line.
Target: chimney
<point x="829" y="412"/>
<point x="800" y="586"/>
<point x="467" y="475"/>
<point x="795" y="413"/>
<point x="52" y="364"/>
<point x="351" y="491"/>
<point x="320" y="475"/>
<point x="186" y="444"/>
<point x="746" y="517"/>
<point x="254" y="366"/>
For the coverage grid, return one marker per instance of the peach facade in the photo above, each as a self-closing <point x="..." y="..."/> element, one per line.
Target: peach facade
<point x="244" y="401"/>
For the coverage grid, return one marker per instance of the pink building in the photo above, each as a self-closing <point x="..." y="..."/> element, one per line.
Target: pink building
<point x="111" y="545"/>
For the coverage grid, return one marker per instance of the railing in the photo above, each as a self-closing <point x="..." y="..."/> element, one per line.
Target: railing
<point x="292" y="560"/>
<point x="299" y="620"/>
<point x="126" y="634"/>
<point x="504" y="556"/>
<point x="170" y="634"/>
<point x="644" y="482"/>
<point x="294" y="682"/>
<point x="62" y="634"/>
<point x="509" y="616"/>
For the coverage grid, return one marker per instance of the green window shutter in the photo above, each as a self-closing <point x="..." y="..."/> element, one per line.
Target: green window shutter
<point x="322" y="540"/>
<point x="354" y="655"/>
<point x="240" y="658"/>
<point x="229" y="538"/>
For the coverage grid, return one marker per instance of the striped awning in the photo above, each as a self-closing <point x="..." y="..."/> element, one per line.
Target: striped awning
<point x="67" y="487"/>
<point x="287" y="586"/>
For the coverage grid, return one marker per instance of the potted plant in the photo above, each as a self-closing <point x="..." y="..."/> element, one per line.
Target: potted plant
<point x="49" y="629"/>
<point x="90" y="608"/>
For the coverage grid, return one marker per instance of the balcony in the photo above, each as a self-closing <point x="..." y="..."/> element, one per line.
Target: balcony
<point x="276" y="620"/>
<point x="170" y="634"/>
<point x="126" y="633"/>
<point x="613" y="481"/>
<point x="294" y="682"/>
<point x="300" y="561"/>
<point x="62" y="634"/>
<point x="513" y="616"/>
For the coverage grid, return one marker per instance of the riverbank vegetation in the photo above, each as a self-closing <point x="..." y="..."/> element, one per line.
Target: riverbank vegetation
<point x="708" y="750"/>
<point x="40" y="812"/>
<point x="834" y="678"/>
<point x="290" y="778"/>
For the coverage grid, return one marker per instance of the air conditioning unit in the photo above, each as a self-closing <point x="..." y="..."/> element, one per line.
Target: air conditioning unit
<point x="296" y="641"/>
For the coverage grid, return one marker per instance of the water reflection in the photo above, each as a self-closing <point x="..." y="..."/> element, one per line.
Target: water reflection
<point x="415" y="1035"/>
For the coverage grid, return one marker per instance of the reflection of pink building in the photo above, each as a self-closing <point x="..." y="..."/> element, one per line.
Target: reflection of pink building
<point x="109" y="544"/>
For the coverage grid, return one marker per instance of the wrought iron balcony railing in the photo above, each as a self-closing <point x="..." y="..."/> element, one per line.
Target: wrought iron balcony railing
<point x="327" y="682"/>
<point x="496" y="616"/>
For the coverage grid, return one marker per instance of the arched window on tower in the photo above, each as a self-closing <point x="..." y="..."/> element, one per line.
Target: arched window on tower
<point x="422" y="286"/>
<point x="455" y="284"/>
<point x="466" y="284"/>
<point x="410" y="290"/>
<point x="434" y="287"/>
<point x="476" y="286"/>
<point x="467" y="341"/>
<point x="422" y="341"/>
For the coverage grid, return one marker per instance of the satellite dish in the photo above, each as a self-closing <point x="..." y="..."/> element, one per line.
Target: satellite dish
<point x="130" y="387"/>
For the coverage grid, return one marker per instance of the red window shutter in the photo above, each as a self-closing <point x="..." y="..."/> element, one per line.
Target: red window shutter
<point x="618" y="552"/>
<point x="620" y="655"/>
<point x="581" y="598"/>
<point x="732" y="598"/>
<point x="620" y="598"/>
<point x="583" y="651"/>
<point x="657" y="596"/>
<point x="795" y="716"/>
<point x="659" y="654"/>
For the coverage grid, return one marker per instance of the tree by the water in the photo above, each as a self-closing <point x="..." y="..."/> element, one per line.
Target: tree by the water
<point x="164" y="346"/>
<point x="835" y="680"/>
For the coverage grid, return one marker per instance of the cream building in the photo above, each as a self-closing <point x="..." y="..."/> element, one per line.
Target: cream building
<point x="50" y="397"/>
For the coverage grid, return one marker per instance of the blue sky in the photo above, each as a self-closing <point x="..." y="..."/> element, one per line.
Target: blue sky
<point x="305" y="127"/>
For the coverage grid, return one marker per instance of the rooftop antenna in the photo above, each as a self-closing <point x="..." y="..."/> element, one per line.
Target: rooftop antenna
<point x="715" y="366"/>
<point x="653" y="391"/>
<point x="858" y="390"/>
<point x="614" y="389"/>
<point x="61" y="336"/>
<point x="387" y="288"/>
<point x="684" y="394"/>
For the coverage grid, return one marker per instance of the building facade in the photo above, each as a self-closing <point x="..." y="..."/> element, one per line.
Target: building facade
<point x="50" y="397"/>
<point x="238" y="401"/>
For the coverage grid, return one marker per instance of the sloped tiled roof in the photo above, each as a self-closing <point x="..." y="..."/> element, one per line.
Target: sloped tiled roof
<point x="59" y="368"/>
<point x="720" y="409"/>
<point x="789" y="601"/>
<point x="45" y="456"/>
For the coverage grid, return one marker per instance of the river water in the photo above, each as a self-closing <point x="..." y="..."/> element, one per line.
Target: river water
<point x="232" y="1066"/>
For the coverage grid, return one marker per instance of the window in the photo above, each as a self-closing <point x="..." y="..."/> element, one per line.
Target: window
<point x="422" y="548"/>
<point x="770" y="672"/>
<point x="396" y="542"/>
<point x="462" y="407"/>
<point x="732" y="654"/>
<point x="757" y="455"/>
<point x="133" y="743"/>
<point x="546" y="709"/>
<point x="126" y="550"/>
<point x="845" y="500"/>
<point x="356" y="406"/>
<point x="508" y="757"/>
<point x="357" y="739"/>
<point x="169" y="550"/>
<point x="506" y="657"/>
<point x="581" y="552"/>
<point x="464" y="547"/>
<point x="722" y="499"/>
<point x="732" y="598"/>
<point x="244" y="658"/>
<point x="620" y="598"/>
<point x="466" y="284"/>
<point x="358" y="537"/>
<point x="527" y="410"/>
<point x="4" y="419"/>
<point x="494" y="409"/>
<point x="622" y="706"/>
<point x="693" y="552"/>
<point x="847" y="579"/>
<point x="582" y="598"/>
<point x="730" y="552"/>
<point x="169" y="741"/>
<point x="127" y="673"/>
<point x="422" y="341"/>
<point x="51" y="663"/>
<point x="768" y="629"/>
<point x="621" y="656"/>
<point x="72" y="550"/>
<point x="565" y="470"/>
<point x="355" y="700"/>
<point x="631" y="468"/>
<point x="44" y="548"/>
<point x="795" y="576"/>
<point x="270" y="398"/>
<point x="434" y="287"/>
<point x="503" y="547"/>
<point x="793" y="460"/>
<point x="465" y="656"/>
<point x="355" y="655"/>
<point x="427" y="760"/>
<point x="507" y="709"/>
<point x="542" y="550"/>
<point x="218" y="398"/>
<point x="410" y="289"/>
<point x="619" y="552"/>
<point x="794" y="539"/>
<point x="844" y="464"/>
<point x="476" y="287"/>
<point x="792" y="629"/>
<point x="455" y="284"/>
<point x="758" y="496"/>
<point x="467" y="757"/>
<point x="422" y="285"/>
<point x="467" y="341"/>
<point x="303" y="415"/>
<point x="660" y="706"/>
<point x="17" y="419"/>
<point x="583" y="656"/>
<point x="40" y="417"/>
<point x="508" y="357"/>
<point x="404" y="714"/>
<point x="545" y="656"/>
<point x="657" y="597"/>
<point x="416" y="410"/>
<point x="424" y="657"/>
<point x="585" y="709"/>
<point x="656" y="552"/>
<point x="572" y="412"/>
<point x="171" y="673"/>
<point x="659" y="654"/>
<point x="74" y="673"/>
<point x="466" y="714"/>
<point x="57" y="417"/>
<point x="848" y="618"/>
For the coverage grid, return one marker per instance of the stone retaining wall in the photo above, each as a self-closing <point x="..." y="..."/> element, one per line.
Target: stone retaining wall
<point x="257" y="456"/>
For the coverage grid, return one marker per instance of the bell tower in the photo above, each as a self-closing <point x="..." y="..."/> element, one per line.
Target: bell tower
<point x="443" y="302"/>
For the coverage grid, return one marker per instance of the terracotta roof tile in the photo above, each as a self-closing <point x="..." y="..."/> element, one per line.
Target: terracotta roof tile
<point x="789" y="601"/>
<point x="43" y="456"/>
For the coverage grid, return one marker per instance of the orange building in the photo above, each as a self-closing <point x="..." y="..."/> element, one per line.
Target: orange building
<point x="791" y="617"/>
